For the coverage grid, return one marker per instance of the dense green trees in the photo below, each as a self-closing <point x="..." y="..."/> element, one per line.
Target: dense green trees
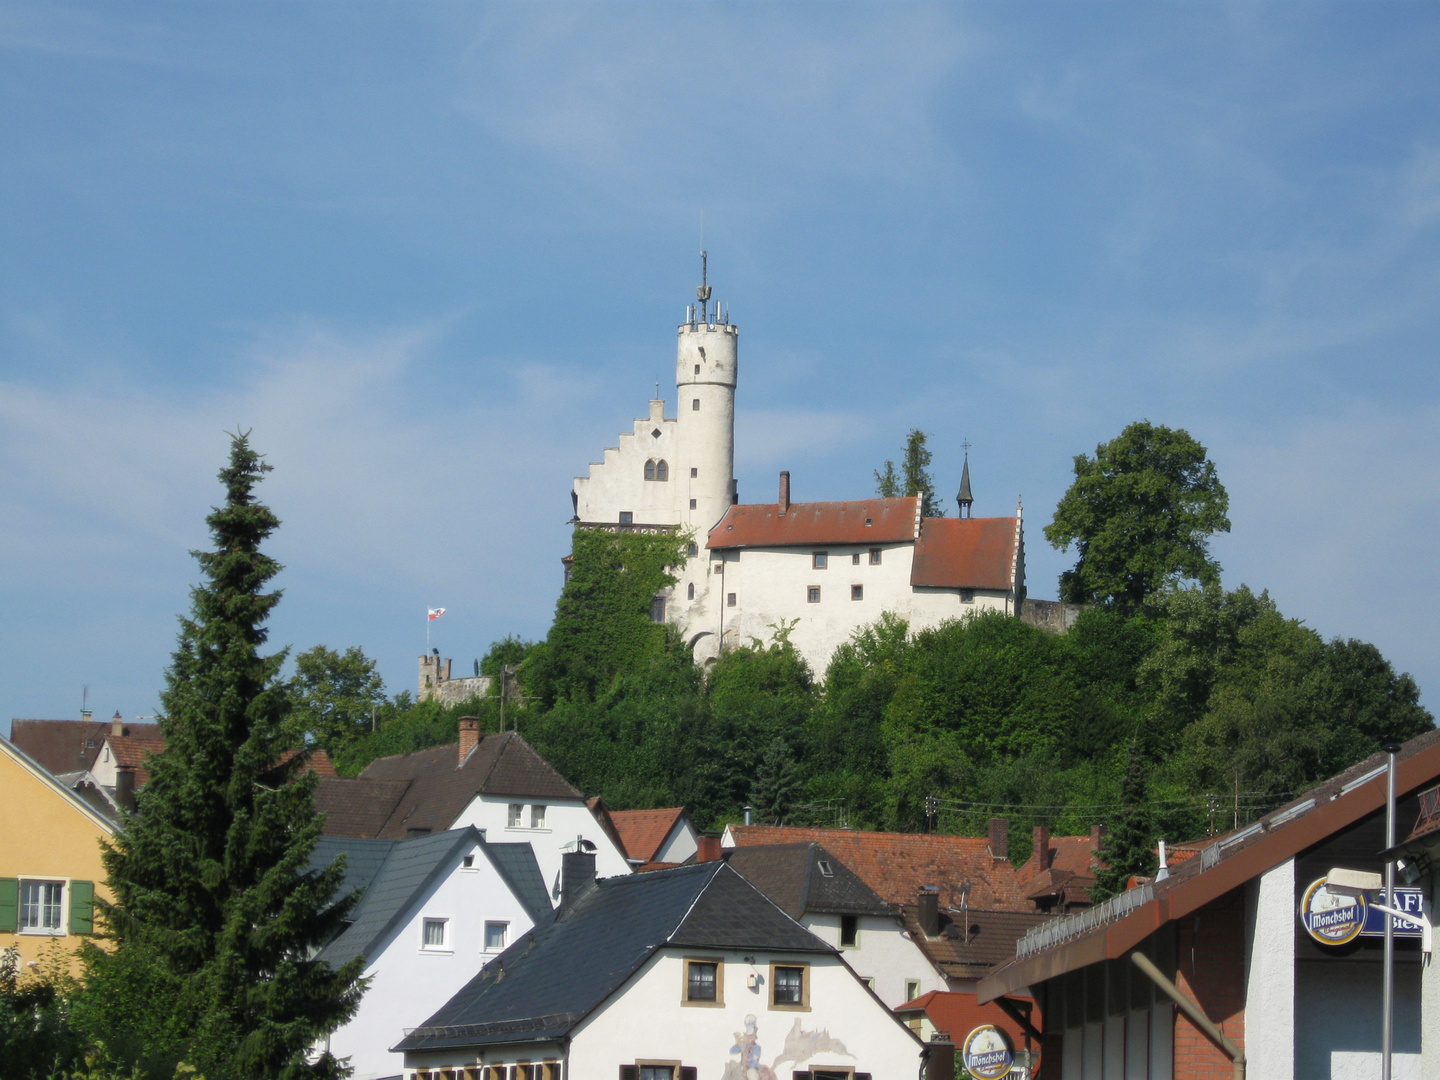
<point x="1140" y="514"/>
<point x="334" y="696"/>
<point x="216" y="917"/>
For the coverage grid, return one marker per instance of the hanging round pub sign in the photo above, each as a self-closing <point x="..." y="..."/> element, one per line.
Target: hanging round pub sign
<point x="1329" y="918"/>
<point x="988" y="1053"/>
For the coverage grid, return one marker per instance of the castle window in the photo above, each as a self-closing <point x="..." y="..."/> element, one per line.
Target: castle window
<point x="692" y="504"/>
<point x="695" y="405"/>
<point x="730" y="599"/>
<point x="819" y="559"/>
<point x="874" y="557"/>
<point x="657" y="609"/>
<point x="967" y="596"/>
<point x="855" y="559"/>
<point x="857" y="592"/>
<point x="662" y="471"/>
<point x="692" y="550"/>
<point x="812" y="594"/>
<point x="694" y="473"/>
<point x="627" y="517"/>
<point x="650" y="470"/>
<point x="690" y="591"/>
<point x="697" y="369"/>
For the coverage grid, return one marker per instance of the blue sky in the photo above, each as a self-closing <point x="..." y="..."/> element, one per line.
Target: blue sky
<point x="433" y="255"/>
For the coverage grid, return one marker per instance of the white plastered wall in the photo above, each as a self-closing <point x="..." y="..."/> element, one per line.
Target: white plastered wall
<point x="408" y="982"/>
<point x="565" y="819"/>
<point x="1270" y="975"/>
<point x="647" y="1020"/>
<point x="617" y="483"/>
<point x="883" y="952"/>
<point x="681" y="843"/>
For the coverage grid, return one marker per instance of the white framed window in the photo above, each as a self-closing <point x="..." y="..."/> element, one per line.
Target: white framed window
<point x="517" y="815"/>
<point x="433" y="933"/>
<point x="42" y="907"/>
<point x="537" y="816"/>
<point x="496" y="934"/>
<point x="912" y="989"/>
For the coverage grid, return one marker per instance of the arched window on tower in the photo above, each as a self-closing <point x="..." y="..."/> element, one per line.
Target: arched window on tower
<point x="649" y="470"/>
<point x="662" y="471"/>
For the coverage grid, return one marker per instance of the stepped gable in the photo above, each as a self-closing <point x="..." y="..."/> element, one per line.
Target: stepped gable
<point x="965" y="553"/>
<point x="862" y="521"/>
<point x="562" y="971"/>
<point x="800" y="878"/>
<point x="63" y="746"/>
<point x="898" y="865"/>
<point x="641" y="832"/>
<point x="410" y="794"/>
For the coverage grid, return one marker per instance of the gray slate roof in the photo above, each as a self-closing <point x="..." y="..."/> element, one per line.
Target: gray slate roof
<point x="395" y="873"/>
<point x="561" y="971"/>
<point x="793" y="876"/>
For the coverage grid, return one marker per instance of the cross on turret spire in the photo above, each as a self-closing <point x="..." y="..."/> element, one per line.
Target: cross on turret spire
<point x="965" y="498"/>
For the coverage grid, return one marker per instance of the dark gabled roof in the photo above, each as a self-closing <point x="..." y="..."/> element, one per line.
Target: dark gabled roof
<point x="561" y="971"/>
<point x="792" y="875"/>
<point x="61" y="745"/>
<point x="397" y="797"/>
<point x="517" y="866"/>
<point x="1226" y="862"/>
<point x="363" y="859"/>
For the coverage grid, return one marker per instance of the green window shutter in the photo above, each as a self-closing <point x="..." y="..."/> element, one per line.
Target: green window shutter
<point x="82" y="907"/>
<point x="9" y="905"/>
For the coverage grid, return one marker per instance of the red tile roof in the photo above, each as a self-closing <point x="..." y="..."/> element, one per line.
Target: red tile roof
<point x="67" y="745"/>
<point x="965" y="553"/>
<point x="863" y="521"/>
<point x="643" y="831"/>
<point x="958" y="1014"/>
<point x="1071" y="854"/>
<point x="142" y="740"/>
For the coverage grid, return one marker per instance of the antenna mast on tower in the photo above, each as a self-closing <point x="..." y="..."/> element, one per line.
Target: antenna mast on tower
<point x="703" y="292"/>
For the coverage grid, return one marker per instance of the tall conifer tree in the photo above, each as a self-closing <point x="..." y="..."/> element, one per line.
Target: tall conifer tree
<point x="210" y="874"/>
<point x="1130" y="848"/>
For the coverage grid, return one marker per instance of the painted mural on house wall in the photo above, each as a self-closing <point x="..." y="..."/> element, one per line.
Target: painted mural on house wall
<point x="746" y="1059"/>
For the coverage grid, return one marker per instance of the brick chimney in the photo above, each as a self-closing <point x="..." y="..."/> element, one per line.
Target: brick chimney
<point x="1042" y="846"/>
<point x="469" y="736"/>
<point x="708" y="849"/>
<point x="125" y="787"/>
<point x="929" y="910"/>
<point x="784" y="492"/>
<point x="1097" y="837"/>
<point x="117" y="726"/>
<point x="1000" y="839"/>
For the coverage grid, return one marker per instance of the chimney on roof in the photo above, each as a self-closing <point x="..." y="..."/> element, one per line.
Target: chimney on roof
<point x="940" y="1057"/>
<point x="125" y="787"/>
<point x="85" y="715"/>
<point x="469" y="736"/>
<point x="577" y="877"/>
<point x="1042" y="847"/>
<point x="708" y="849"/>
<point x="1097" y="837"/>
<point x="929" y="906"/>
<point x="117" y="725"/>
<point x="784" y="492"/>
<point x="1000" y="839"/>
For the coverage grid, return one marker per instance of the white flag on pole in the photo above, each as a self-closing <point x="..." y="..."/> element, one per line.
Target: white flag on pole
<point x="434" y="613"/>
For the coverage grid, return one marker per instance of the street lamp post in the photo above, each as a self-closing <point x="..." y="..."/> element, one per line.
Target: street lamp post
<point x="1387" y="1000"/>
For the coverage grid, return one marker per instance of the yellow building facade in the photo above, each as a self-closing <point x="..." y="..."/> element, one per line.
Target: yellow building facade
<point x="50" y="868"/>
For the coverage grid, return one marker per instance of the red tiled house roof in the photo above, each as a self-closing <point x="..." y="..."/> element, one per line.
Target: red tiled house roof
<point x="643" y="831"/>
<point x="862" y="521"/>
<point x="958" y="1014"/>
<point x="966" y="553"/>
<point x="62" y="746"/>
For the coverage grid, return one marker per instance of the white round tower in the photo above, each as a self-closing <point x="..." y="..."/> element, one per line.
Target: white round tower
<point x="705" y="369"/>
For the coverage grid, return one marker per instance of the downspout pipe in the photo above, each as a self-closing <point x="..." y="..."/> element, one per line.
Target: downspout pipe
<point x="1192" y="1011"/>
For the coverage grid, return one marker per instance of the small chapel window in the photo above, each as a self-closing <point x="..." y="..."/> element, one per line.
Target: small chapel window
<point x="662" y="471"/>
<point x="690" y="591"/>
<point x="695" y="404"/>
<point x="694" y="473"/>
<point x="650" y="470"/>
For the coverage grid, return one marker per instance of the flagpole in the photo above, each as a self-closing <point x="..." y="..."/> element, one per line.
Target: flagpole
<point x="428" y="621"/>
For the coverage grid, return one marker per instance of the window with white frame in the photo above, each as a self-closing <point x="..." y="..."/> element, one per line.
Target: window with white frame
<point x="517" y="815"/>
<point x="42" y="907"/>
<point x="495" y="935"/>
<point x="537" y="816"/>
<point x="433" y="933"/>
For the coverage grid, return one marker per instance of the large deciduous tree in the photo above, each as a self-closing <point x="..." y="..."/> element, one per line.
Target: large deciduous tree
<point x="214" y="904"/>
<point x="334" y="695"/>
<point x="1140" y="514"/>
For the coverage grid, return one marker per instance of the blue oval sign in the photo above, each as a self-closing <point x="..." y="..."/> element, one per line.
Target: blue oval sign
<point x="988" y="1053"/>
<point x="1331" y="919"/>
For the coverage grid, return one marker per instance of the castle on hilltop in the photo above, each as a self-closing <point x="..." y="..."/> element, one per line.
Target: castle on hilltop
<point x="825" y="567"/>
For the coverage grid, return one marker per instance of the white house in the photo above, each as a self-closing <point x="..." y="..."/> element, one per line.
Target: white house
<point x="681" y="974"/>
<point x="816" y="889"/>
<point x="828" y="567"/>
<point x="433" y="911"/>
<point x="494" y="782"/>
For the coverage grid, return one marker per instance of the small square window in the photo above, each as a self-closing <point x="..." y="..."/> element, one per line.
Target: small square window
<point x="692" y="504"/>
<point x="694" y="473"/>
<point x="627" y="517"/>
<point x="657" y="1072"/>
<point x="495" y="933"/>
<point x="692" y="550"/>
<point x="702" y="979"/>
<point x="967" y="596"/>
<point x="537" y="816"/>
<point x="788" y="985"/>
<point x="812" y="594"/>
<point x="730" y="599"/>
<point x="819" y="559"/>
<point x="434" y="933"/>
<point x="695" y="405"/>
<point x="874" y="557"/>
<point x="516" y="818"/>
<point x="468" y="862"/>
<point x="42" y="907"/>
<point x="857" y="592"/>
<point x="855" y="559"/>
<point x="849" y="931"/>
